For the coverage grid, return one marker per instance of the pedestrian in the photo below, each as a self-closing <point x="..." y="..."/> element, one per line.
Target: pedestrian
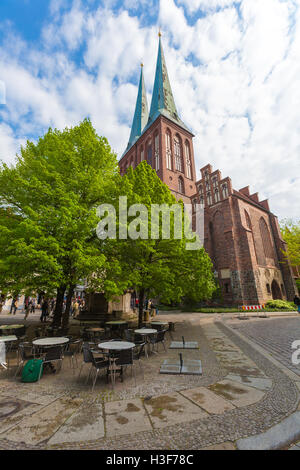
<point x="27" y="308"/>
<point x="75" y="309"/>
<point x="297" y="302"/>
<point x="15" y="305"/>
<point x="32" y="306"/>
<point x="45" y="306"/>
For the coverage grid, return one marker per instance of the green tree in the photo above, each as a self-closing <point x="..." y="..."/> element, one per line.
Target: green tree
<point x="48" y="203"/>
<point x="291" y="235"/>
<point x="153" y="267"/>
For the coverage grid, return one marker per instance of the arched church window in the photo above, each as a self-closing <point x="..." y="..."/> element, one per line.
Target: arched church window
<point x="209" y="198"/>
<point x="178" y="153"/>
<point x="200" y="189"/>
<point x="180" y="185"/>
<point x="215" y="182"/>
<point x="202" y="201"/>
<point x="188" y="160"/>
<point x="156" y="151"/>
<point x="266" y="239"/>
<point x="168" y="151"/>
<point x="142" y="154"/>
<point x="206" y="175"/>
<point x="225" y="190"/>
<point x="207" y="185"/>
<point x="217" y="195"/>
<point x="149" y="153"/>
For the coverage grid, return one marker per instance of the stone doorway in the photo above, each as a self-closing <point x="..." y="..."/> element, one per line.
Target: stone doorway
<point x="276" y="292"/>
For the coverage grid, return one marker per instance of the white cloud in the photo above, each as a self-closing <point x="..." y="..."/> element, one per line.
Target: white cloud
<point x="235" y="77"/>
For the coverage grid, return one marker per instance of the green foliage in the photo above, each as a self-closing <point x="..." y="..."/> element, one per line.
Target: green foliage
<point x="48" y="206"/>
<point x="298" y="285"/>
<point x="291" y="235"/>
<point x="280" y="305"/>
<point x="154" y="267"/>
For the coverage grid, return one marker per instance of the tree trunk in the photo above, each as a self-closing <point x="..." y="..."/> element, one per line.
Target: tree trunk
<point x="141" y="306"/>
<point x="66" y="314"/>
<point x="57" y="314"/>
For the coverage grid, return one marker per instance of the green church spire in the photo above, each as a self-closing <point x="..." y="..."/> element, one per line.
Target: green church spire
<point x="140" y="118"/>
<point x="162" y="97"/>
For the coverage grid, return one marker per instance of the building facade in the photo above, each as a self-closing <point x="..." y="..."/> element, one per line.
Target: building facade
<point x="241" y="234"/>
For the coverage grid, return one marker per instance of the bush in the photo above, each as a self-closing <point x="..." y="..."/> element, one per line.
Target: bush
<point x="280" y="305"/>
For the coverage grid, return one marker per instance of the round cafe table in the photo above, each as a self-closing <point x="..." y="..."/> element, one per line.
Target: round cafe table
<point x="115" y="346"/>
<point x="4" y="328"/>
<point x="117" y="326"/>
<point x="3" y="339"/>
<point x="159" y="324"/>
<point x="50" y="341"/>
<point x="146" y="332"/>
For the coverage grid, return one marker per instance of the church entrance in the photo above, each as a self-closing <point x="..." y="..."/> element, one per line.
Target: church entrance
<point x="276" y="292"/>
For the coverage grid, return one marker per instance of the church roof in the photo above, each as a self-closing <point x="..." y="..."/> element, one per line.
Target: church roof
<point x="162" y="102"/>
<point x="141" y="114"/>
<point x="162" y="97"/>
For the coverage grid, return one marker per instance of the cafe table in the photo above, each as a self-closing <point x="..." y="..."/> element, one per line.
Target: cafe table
<point x="146" y="332"/>
<point x="8" y="338"/>
<point x="117" y="325"/>
<point x="115" y="346"/>
<point x="5" y="328"/>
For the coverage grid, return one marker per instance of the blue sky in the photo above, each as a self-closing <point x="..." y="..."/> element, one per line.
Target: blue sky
<point x="234" y="69"/>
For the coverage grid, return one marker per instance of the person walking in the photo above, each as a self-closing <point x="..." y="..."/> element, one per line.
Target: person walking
<point x="32" y="306"/>
<point x="27" y="308"/>
<point x="75" y="309"/>
<point x="15" y="305"/>
<point x="297" y="302"/>
<point x="45" y="306"/>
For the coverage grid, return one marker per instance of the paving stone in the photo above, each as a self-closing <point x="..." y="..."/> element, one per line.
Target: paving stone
<point x="209" y="401"/>
<point x="32" y="395"/>
<point x="166" y="410"/>
<point x="13" y="411"/>
<point x="126" y="417"/>
<point x="42" y="425"/>
<point x="86" y="424"/>
<point x="256" y="382"/>
<point x="222" y="446"/>
<point x="237" y="394"/>
<point x="276" y="437"/>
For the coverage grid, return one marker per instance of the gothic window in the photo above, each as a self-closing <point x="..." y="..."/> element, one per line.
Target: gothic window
<point x="178" y="154"/>
<point x="202" y="201"/>
<point x="206" y="175"/>
<point x="200" y="189"/>
<point x="215" y="182"/>
<point x="266" y="238"/>
<point x="225" y="190"/>
<point x="188" y="160"/>
<point x="268" y="289"/>
<point x="149" y="153"/>
<point x="248" y="221"/>
<point x="156" y="151"/>
<point x="168" y="151"/>
<point x="207" y="185"/>
<point x="194" y="204"/>
<point x="209" y="198"/>
<point x="217" y="195"/>
<point x="142" y="154"/>
<point x="180" y="185"/>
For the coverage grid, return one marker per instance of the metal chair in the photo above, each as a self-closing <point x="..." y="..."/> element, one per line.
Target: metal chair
<point x="137" y="352"/>
<point x="96" y="363"/>
<point x="123" y="359"/>
<point x="71" y="351"/>
<point x="156" y="339"/>
<point x="53" y="354"/>
<point x="23" y="355"/>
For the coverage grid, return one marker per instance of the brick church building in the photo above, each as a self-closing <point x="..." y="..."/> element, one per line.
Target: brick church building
<point x="241" y="234"/>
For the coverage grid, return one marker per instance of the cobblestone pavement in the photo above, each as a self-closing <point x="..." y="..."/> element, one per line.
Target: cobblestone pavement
<point x="274" y="335"/>
<point x="223" y="355"/>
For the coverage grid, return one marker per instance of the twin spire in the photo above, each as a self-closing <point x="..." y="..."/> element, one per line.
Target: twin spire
<point x="162" y="100"/>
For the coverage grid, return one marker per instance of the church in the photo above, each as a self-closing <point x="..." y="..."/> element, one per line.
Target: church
<point x="241" y="234"/>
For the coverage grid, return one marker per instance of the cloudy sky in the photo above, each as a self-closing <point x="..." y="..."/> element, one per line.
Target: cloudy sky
<point x="234" y="68"/>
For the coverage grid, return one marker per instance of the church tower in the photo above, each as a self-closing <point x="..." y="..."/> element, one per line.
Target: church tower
<point x="161" y="138"/>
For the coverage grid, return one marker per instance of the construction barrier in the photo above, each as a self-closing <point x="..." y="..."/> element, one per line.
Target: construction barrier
<point x="252" y="307"/>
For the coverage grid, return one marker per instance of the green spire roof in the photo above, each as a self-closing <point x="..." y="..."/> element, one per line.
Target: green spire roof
<point x="140" y="118"/>
<point x="162" y="97"/>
